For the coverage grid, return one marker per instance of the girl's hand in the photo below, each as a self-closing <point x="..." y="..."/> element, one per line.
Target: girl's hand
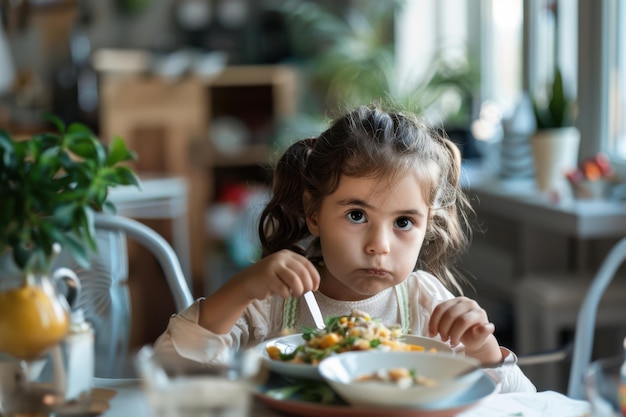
<point x="462" y="320"/>
<point x="284" y="273"/>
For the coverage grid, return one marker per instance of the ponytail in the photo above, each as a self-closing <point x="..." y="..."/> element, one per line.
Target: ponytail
<point x="282" y="222"/>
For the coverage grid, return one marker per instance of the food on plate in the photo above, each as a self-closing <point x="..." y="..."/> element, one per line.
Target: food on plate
<point x="356" y="332"/>
<point x="402" y="377"/>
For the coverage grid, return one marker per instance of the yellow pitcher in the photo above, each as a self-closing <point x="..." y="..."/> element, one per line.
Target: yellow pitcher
<point x="34" y="315"/>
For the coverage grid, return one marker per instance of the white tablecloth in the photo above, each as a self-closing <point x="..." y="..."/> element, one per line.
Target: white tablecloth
<point x="129" y="401"/>
<point x="541" y="404"/>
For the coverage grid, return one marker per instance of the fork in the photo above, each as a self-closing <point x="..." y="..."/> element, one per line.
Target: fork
<point x="311" y="302"/>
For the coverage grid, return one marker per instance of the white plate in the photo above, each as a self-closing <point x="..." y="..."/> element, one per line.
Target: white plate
<point x="288" y="344"/>
<point x="482" y="389"/>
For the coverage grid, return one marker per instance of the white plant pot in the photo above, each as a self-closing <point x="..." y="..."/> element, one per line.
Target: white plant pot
<point x="555" y="152"/>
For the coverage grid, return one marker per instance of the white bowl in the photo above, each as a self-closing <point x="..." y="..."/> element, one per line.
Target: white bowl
<point x="288" y="344"/>
<point x="340" y="372"/>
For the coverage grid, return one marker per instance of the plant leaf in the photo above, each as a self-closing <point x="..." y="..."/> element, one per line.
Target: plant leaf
<point x="109" y="207"/>
<point x="64" y="214"/>
<point x="75" y="247"/>
<point x="56" y="121"/>
<point x="118" y="152"/>
<point x="125" y="176"/>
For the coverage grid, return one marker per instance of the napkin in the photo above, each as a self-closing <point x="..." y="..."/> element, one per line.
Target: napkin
<point x="518" y="404"/>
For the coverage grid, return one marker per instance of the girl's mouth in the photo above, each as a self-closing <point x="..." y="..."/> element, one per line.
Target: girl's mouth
<point x="376" y="271"/>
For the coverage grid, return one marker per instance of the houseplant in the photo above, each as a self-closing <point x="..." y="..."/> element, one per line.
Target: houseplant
<point x="554" y="109"/>
<point x="51" y="184"/>
<point x="556" y="140"/>
<point x="348" y="55"/>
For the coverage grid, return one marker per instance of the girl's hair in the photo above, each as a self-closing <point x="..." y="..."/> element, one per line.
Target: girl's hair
<point x="371" y="142"/>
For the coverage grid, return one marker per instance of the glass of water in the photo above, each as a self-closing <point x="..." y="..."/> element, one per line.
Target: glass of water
<point x="603" y="386"/>
<point x="183" y="388"/>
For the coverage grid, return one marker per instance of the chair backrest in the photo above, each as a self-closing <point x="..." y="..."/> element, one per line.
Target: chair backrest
<point x="586" y="322"/>
<point x="160" y="248"/>
<point x="104" y="295"/>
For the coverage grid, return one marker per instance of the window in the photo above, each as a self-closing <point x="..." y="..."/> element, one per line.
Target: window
<point x="602" y="79"/>
<point x="616" y="68"/>
<point x="502" y="52"/>
<point x="517" y="43"/>
<point x="552" y="27"/>
<point x="485" y="33"/>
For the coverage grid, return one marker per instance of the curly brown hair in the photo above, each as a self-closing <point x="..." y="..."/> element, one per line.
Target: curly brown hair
<point x="370" y="141"/>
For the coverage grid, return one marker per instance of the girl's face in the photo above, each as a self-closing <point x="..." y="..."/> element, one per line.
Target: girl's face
<point x="371" y="232"/>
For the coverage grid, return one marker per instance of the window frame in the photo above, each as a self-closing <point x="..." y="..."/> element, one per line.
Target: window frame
<point x="595" y="46"/>
<point x="592" y="99"/>
<point x="615" y="59"/>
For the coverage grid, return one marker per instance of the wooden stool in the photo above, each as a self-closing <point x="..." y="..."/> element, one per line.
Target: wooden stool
<point x="546" y="306"/>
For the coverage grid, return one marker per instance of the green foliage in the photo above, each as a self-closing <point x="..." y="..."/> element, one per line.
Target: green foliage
<point x="349" y="56"/>
<point x="318" y="392"/>
<point x="555" y="110"/>
<point x="50" y="186"/>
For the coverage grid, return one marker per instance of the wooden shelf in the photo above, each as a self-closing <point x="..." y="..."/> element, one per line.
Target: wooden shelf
<point x="204" y="153"/>
<point x="167" y="122"/>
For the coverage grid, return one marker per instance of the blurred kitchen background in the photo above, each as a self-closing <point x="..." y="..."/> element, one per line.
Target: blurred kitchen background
<point x="210" y="91"/>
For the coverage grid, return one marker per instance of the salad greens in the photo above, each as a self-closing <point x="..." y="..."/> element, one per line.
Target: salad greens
<point x="358" y="331"/>
<point x="306" y="390"/>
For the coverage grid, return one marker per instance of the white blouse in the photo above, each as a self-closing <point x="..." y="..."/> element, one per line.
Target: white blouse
<point x="409" y="303"/>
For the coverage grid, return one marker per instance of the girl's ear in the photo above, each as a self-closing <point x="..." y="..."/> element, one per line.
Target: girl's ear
<point x="311" y="220"/>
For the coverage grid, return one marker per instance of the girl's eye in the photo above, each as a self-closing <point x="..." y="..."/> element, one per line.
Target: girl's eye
<point x="404" y="223"/>
<point x="356" y="216"/>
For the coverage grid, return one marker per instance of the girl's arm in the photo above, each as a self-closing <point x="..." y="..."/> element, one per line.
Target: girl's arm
<point x="284" y="273"/>
<point x="220" y="311"/>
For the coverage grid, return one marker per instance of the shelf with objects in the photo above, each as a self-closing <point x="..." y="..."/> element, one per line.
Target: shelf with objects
<point x="214" y="132"/>
<point x="246" y="106"/>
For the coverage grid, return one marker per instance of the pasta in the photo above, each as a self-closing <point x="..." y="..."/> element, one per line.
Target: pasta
<point x="356" y="332"/>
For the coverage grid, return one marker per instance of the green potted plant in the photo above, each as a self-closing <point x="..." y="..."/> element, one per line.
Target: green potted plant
<point x="556" y="139"/>
<point x="51" y="184"/>
<point x="554" y="109"/>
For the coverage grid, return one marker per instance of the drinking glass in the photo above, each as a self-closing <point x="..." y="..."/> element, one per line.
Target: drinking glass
<point x="184" y="388"/>
<point x="602" y="386"/>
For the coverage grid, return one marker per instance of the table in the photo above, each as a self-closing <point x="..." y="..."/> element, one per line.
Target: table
<point x="519" y="200"/>
<point x="543" y="225"/>
<point x="129" y="401"/>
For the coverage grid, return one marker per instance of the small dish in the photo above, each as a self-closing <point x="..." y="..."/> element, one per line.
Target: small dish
<point x="438" y="373"/>
<point x="287" y="344"/>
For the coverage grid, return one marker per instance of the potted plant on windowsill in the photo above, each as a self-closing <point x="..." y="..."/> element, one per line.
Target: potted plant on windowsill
<point x="556" y="140"/>
<point x="51" y="185"/>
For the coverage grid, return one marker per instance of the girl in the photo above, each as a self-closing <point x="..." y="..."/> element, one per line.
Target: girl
<point x="369" y="215"/>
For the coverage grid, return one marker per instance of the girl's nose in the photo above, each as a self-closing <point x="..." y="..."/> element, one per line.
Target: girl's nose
<point x="377" y="241"/>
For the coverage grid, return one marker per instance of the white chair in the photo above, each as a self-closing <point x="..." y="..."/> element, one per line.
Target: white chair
<point x="104" y="294"/>
<point x="589" y="308"/>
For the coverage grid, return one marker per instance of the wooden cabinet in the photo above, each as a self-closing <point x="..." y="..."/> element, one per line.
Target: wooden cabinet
<point x="159" y="119"/>
<point x="244" y="104"/>
<point x="169" y="124"/>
